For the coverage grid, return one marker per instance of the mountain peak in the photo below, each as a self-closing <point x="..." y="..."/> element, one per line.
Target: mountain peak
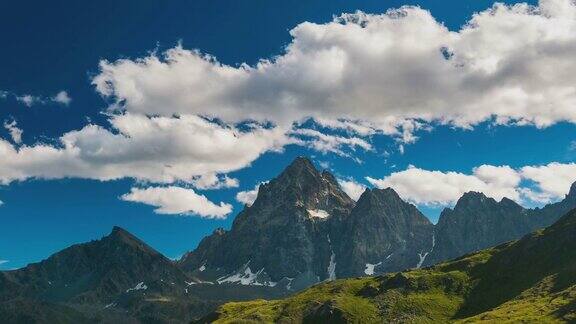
<point x="473" y="195"/>
<point x="122" y="236"/>
<point x="572" y="192"/>
<point x="120" y="233"/>
<point x="299" y="164"/>
<point x="117" y="230"/>
<point x="473" y="198"/>
<point x="386" y="194"/>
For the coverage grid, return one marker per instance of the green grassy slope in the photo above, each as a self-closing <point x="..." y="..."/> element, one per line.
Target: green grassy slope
<point x="530" y="280"/>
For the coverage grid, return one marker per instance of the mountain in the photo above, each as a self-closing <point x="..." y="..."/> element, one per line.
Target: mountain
<point x="95" y="271"/>
<point x="383" y="234"/>
<point x="478" y="222"/>
<point x="301" y="230"/>
<point x="530" y="280"/>
<point x="547" y="215"/>
<point x="475" y="223"/>
<point x="283" y="237"/>
<point x="115" y="279"/>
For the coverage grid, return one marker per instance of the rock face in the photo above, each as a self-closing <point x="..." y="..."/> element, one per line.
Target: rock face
<point x="529" y="280"/>
<point x="303" y="229"/>
<point x="478" y="222"/>
<point x="117" y="279"/>
<point x="548" y="215"/>
<point x="96" y="271"/>
<point x="475" y="223"/>
<point x="383" y="234"/>
<point x="283" y="237"/>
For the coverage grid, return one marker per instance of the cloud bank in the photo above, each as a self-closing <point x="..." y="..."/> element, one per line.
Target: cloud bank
<point x="183" y="116"/>
<point x="389" y="73"/>
<point x="177" y="200"/>
<point x="545" y="183"/>
<point x="154" y="149"/>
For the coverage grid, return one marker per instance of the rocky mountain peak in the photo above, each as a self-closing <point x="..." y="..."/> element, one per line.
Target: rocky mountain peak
<point x="121" y="237"/>
<point x="300" y="164"/>
<point x="301" y="184"/>
<point x="387" y="194"/>
<point x="384" y="233"/>
<point x="379" y="196"/>
<point x="473" y="199"/>
<point x="300" y="172"/>
<point x="572" y="192"/>
<point x="120" y="233"/>
<point x="509" y="203"/>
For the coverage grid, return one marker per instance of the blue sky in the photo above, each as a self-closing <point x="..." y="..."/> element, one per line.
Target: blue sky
<point x="53" y="47"/>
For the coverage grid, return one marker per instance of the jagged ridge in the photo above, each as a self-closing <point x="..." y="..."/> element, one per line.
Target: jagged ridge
<point x="530" y="280"/>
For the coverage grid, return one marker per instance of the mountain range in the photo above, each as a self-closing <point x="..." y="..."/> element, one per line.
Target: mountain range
<point x="301" y="230"/>
<point x="532" y="280"/>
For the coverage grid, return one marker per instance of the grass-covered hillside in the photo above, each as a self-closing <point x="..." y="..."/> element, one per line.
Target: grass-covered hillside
<point x="530" y="280"/>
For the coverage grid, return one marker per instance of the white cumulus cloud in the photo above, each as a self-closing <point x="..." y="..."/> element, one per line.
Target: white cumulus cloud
<point x="249" y="196"/>
<point x="352" y="188"/>
<point x="15" y="132"/>
<point x="63" y="98"/>
<point x="155" y="149"/>
<point x="539" y="184"/>
<point x="554" y="178"/>
<point x="392" y="72"/>
<point x="29" y="100"/>
<point x="325" y="143"/>
<point x="177" y="200"/>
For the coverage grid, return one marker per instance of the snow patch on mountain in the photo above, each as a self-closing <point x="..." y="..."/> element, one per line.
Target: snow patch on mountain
<point x="332" y="266"/>
<point x="318" y="213"/>
<point x="423" y="256"/>
<point x="246" y="277"/>
<point x="139" y="286"/>
<point x="370" y="268"/>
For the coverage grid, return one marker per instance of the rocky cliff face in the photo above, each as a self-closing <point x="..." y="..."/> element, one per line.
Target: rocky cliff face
<point x="478" y="222"/>
<point x="117" y="279"/>
<point x="529" y="280"/>
<point x="284" y="237"/>
<point x="548" y="215"/>
<point x="303" y="229"/>
<point x="96" y="271"/>
<point x="383" y="233"/>
<point x="475" y="223"/>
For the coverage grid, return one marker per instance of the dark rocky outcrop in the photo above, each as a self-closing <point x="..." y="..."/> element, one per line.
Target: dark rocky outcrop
<point x="279" y="240"/>
<point x="283" y="236"/>
<point x="384" y="233"/>
<point x="478" y="222"/>
<point x="475" y="223"/>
